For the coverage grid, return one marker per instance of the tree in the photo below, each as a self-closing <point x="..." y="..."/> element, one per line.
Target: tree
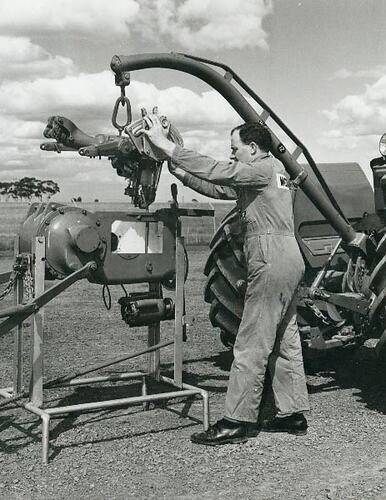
<point x="49" y="188"/>
<point x="28" y="188"/>
<point x="5" y="189"/>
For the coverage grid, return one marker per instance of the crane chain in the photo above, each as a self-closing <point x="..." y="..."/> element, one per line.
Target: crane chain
<point x="20" y="270"/>
<point x="317" y="312"/>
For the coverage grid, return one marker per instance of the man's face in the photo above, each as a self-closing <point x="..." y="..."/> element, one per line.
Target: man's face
<point x="242" y="152"/>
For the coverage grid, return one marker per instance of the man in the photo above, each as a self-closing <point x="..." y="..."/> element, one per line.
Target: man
<point x="268" y="335"/>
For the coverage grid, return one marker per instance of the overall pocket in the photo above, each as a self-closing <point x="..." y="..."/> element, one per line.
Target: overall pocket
<point x="264" y="247"/>
<point x="256" y="249"/>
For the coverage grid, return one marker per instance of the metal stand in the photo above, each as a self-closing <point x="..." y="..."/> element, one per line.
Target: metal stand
<point x="36" y="392"/>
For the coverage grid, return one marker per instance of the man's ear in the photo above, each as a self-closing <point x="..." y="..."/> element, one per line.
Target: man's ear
<point x="254" y="148"/>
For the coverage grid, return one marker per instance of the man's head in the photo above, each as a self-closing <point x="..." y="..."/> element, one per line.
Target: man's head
<point x="248" y="141"/>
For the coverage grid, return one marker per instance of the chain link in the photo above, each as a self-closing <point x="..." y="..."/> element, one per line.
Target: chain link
<point x="9" y="287"/>
<point x="21" y="268"/>
<point x="318" y="313"/>
<point x="28" y="281"/>
<point x="123" y="101"/>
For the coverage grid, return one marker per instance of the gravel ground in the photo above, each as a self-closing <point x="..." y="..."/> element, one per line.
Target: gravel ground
<point x="131" y="453"/>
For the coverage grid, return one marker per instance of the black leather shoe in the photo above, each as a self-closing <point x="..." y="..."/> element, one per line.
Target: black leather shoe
<point x="222" y="432"/>
<point x="293" y="424"/>
<point x="253" y="430"/>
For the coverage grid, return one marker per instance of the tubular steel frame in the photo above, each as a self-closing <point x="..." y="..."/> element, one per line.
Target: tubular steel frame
<point x="35" y="403"/>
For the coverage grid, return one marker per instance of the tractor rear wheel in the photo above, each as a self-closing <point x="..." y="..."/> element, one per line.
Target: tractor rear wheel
<point x="227" y="273"/>
<point x="377" y="284"/>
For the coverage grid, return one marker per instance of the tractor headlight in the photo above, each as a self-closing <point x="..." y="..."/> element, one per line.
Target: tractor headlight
<point x="382" y="145"/>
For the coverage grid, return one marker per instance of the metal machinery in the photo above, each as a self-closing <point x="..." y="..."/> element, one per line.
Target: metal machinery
<point x="342" y="301"/>
<point x="137" y="246"/>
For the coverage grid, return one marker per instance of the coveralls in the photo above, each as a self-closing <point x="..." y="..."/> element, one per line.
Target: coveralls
<point x="268" y="336"/>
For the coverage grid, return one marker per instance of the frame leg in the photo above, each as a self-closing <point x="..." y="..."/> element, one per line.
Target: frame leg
<point x="36" y="381"/>
<point x="153" y="338"/>
<point x="45" y="438"/>
<point x="145" y="405"/>
<point x="205" y="410"/>
<point x="18" y="335"/>
<point x="179" y="314"/>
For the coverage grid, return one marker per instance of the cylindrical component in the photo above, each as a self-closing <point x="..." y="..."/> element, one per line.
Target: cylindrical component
<point x="85" y="237"/>
<point x="120" y="64"/>
<point x="146" y="311"/>
<point x="73" y="237"/>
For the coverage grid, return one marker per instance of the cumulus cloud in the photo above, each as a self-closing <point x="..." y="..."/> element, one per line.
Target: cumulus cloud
<point x="207" y="24"/>
<point x="189" y="24"/>
<point x="361" y="114"/>
<point x="37" y="83"/>
<point x="203" y="118"/>
<point x="93" y="96"/>
<point x="21" y="59"/>
<point x="376" y="72"/>
<point x="94" y="17"/>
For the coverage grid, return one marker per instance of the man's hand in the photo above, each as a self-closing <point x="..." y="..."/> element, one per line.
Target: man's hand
<point x="157" y="132"/>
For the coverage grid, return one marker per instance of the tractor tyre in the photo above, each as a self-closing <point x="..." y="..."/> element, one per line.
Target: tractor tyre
<point x="380" y="348"/>
<point x="377" y="284"/>
<point x="226" y="278"/>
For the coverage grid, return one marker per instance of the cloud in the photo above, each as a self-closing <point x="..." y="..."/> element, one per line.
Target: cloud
<point x="189" y="24"/>
<point x="206" y="24"/>
<point x="203" y="118"/>
<point x="21" y="59"/>
<point x="93" y="95"/>
<point x="360" y="115"/>
<point x="94" y="17"/>
<point x="376" y="72"/>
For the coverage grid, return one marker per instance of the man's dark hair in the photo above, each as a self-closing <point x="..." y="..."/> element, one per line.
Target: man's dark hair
<point x="255" y="132"/>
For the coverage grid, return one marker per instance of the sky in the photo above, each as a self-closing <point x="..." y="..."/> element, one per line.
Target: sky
<point x="319" y="64"/>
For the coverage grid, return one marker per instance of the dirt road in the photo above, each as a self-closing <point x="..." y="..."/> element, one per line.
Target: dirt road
<point x="129" y="453"/>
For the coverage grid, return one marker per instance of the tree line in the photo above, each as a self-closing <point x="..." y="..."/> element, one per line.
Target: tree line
<point x="28" y="188"/>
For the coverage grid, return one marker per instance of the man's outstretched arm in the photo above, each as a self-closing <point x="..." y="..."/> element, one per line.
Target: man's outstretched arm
<point x="202" y="186"/>
<point x="233" y="173"/>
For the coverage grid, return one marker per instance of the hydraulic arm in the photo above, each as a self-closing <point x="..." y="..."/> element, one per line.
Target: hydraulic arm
<point x="201" y="68"/>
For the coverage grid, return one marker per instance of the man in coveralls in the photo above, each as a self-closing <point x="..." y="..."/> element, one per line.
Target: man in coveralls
<point x="268" y="335"/>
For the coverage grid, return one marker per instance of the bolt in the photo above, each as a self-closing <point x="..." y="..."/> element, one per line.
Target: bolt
<point x="61" y="211"/>
<point x="84" y="212"/>
<point x="98" y="223"/>
<point x="126" y="75"/>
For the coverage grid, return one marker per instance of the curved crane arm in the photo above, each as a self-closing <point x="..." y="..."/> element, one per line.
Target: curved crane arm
<point x="122" y="65"/>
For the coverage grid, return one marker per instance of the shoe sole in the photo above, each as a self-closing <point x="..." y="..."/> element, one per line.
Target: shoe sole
<point x="296" y="433"/>
<point x="228" y="441"/>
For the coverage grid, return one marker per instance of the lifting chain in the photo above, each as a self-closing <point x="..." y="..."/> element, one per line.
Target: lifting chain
<point x="21" y="269"/>
<point x="124" y="102"/>
<point x="317" y="312"/>
<point x="9" y="286"/>
<point x="28" y="281"/>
